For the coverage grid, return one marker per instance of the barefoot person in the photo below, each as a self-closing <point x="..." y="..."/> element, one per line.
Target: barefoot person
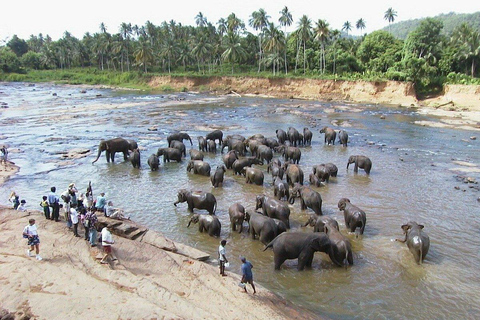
<point x="107" y="241"/>
<point x="221" y="257"/>
<point x="30" y="232"/>
<point x="247" y="275"/>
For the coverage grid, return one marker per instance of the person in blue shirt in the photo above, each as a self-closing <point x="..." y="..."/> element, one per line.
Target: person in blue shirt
<point x="247" y="275"/>
<point x="101" y="202"/>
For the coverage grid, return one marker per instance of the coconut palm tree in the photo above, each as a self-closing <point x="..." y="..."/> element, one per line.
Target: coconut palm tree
<point x="273" y="44"/>
<point x="285" y="21"/>
<point x="234" y="24"/>
<point x="390" y="16"/>
<point x="258" y="21"/>
<point x="467" y="40"/>
<point x="322" y="34"/>
<point x="234" y="51"/>
<point x="360" y="25"/>
<point x="347" y="26"/>
<point x="201" y="20"/>
<point x="304" y="33"/>
<point x="143" y="53"/>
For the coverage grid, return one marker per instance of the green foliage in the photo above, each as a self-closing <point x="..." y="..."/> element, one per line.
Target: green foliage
<point x="379" y="51"/>
<point x="18" y="46"/>
<point x="31" y="60"/>
<point x="460" y="78"/>
<point x="9" y="61"/>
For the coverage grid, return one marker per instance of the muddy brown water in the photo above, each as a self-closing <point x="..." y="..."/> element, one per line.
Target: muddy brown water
<point x="414" y="177"/>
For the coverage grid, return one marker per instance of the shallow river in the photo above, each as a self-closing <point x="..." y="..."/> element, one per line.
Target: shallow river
<point x="414" y="177"/>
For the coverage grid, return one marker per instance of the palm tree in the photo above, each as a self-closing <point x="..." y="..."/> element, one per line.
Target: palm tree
<point x="360" y="25"/>
<point x="200" y="20"/>
<point x="126" y="32"/>
<point x="234" y="24"/>
<point x="234" y="52"/>
<point x="222" y="26"/>
<point x="467" y="40"/>
<point x="390" y="15"/>
<point x="347" y="27"/>
<point x="335" y="36"/>
<point x="258" y="21"/>
<point x="322" y="33"/>
<point x="285" y="20"/>
<point x="201" y="50"/>
<point x="304" y="33"/>
<point x="273" y="44"/>
<point x="143" y="53"/>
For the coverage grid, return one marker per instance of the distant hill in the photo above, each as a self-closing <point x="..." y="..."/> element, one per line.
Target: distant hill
<point x="450" y="21"/>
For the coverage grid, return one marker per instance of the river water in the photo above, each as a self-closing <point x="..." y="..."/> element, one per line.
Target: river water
<point x="415" y="176"/>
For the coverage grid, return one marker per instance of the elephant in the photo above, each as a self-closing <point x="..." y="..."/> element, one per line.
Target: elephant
<point x="262" y="226"/>
<point x="254" y="176"/>
<point x="199" y="167"/>
<point x="135" y="158"/>
<point x="197" y="199"/>
<point x="307" y="136"/>
<point x="342" y="248"/>
<point x="217" y="177"/>
<point x="332" y="169"/>
<point x="276" y="168"/>
<point x="180" y="146"/>
<point x="293" y="172"/>
<point x="211" y="146"/>
<point x="354" y="216"/>
<point x="237" y="215"/>
<point x="322" y="172"/>
<point x="196" y="154"/>
<point x="241" y="163"/>
<point x="280" y="189"/>
<point x="301" y="246"/>
<point x="179" y="136"/>
<point x="417" y="240"/>
<point x="274" y="208"/>
<point x="272" y="143"/>
<point x="234" y="144"/>
<point x="281" y="136"/>
<point x="343" y="137"/>
<point x="314" y="180"/>
<point x="202" y="143"/>
<point x="253" y="145"/>
<point x="264" y="153"/>
<point x="229" y="158"/>
<point x="361" y="162"/>
<point x="318" y="223"/>
<point x="290" y="153"/>
<point x="214" y="135"/>
<point x="330" y="135"/>
<point x="208" y="223"/>
<point x="133" y="144"/>
<point x="170" y="154"/>
<point x="153" y="162"/>
<point x="281" y="226"/>
<point x="293" y="136"/>
<point x="309" y="198"/>
<point x="113" y="146"/>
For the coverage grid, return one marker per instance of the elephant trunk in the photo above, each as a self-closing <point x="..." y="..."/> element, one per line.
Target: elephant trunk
<point x="98" y="155"/>
<point x="191" y="143"/>
<point x="176" y="202"/>
<point x="189" y="222"/>
<point x="291" y="199"/>
<point x="306" y="224"/>
<point x="348" y="163"/>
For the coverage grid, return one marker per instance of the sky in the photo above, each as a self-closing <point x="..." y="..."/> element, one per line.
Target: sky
<point x="53" y="17"/>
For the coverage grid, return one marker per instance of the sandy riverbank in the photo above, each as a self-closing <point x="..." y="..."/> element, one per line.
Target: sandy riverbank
<point x="146" y="282"/>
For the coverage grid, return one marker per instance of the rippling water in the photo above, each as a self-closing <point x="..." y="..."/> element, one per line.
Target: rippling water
<point x="411" y="179"/>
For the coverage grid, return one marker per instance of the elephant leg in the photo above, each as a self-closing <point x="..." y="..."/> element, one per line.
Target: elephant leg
<point x="125" y="155"/>
<point x="240" y="227"/>
<point x="234" y="225"/>
<point x="252" y="232"/>
<point x="112" y="156"/>
<point x="355" y="169"/>
<point x="107" y="154"/>
<point x="303" y="206"/>
<point x="278" y="260"/>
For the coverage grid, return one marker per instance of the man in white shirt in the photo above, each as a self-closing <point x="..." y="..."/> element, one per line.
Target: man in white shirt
<point x="221" y="257"/>
<point x="74" y="219"/>
<point x="107" y="241"/>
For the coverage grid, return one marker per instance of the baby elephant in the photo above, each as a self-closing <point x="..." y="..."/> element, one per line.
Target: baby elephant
<point x="217" y="177"/>
<point x="417" y="241"/>
<point x="361" y="162"/>
<point x="354" y="216"/>
<point x="208" y="223"/>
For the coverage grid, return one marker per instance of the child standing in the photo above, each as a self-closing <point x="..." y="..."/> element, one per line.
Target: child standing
<point x="30" y="232"/>
<point x="22" y="206"/>
<point x="46" y="209"/>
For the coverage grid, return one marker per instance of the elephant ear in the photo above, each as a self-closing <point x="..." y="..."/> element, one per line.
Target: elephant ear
<point x="421" y="226"/>
<point x="406" y="227"/>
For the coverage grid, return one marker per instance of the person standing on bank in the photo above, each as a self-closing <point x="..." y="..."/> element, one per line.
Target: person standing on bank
<point x="46" y="209"/>
<point x="91" y="224"/>
<point x="54" y="203"/>
<point x="247" y="275"/>
<point x="74" y="219"/>
<point x="221" y="257"/>
<point x="30" y="232"/>
<point x="107" y="241"/>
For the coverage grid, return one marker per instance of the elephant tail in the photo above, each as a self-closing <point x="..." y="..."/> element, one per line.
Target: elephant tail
<point x="270" y="245"/>
<point x="214" y="207"/>
<point x="417" y="242"/>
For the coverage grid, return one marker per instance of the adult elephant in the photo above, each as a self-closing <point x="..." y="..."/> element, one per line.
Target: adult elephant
<point x="153" y="162"/>
<point x="343" y="137"/>
<point x="170" y="154"/>
<point x="332" y="169"/>
<point x="274" y="208"/>
<point x="206" y="223"/>
<point x="199" y="167"/>
<point x="307" y="136"/>
<point x="236" y="213"/>
<point x="113" y="146"/>
<point x="280" y="189"/>
<point x="342" y="248"/>
<point x="239" y="164"/>
<point x="301" y="246"/>
<point x="217" y="177"/>
<point x="354" y="216"/>
<point x="262" y="227"/>
<point x="196" y="154"/>
<point x="197" y="199"/>
<point x="290" y="153"/>
<point x="135" y="158"/>
<point x="180" y="146"/>
<point x="417" y="240"/>
<point x="281" y="136"/>
<point x="330" y="135"/>
<point x="294" y="173"/>
<point x="318" y="223"/>
<point x="293" y="136"/>
<point x="361" y="162"/>
<point x="211" y="146"/>
<point x="272" y="143"/>
<point x="264" y="153"/>
<point x="215" y="135"/>
<point x="322" y="172"/>
<point x="309" y="198"/>
<point x="254" y="176"/>
<point x="202" y="144"/>
<point x="229" y="158"/>
<point x="179" y="136"/>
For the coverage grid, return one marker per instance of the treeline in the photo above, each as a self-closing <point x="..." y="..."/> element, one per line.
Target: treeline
<point x="427" y="56"/>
